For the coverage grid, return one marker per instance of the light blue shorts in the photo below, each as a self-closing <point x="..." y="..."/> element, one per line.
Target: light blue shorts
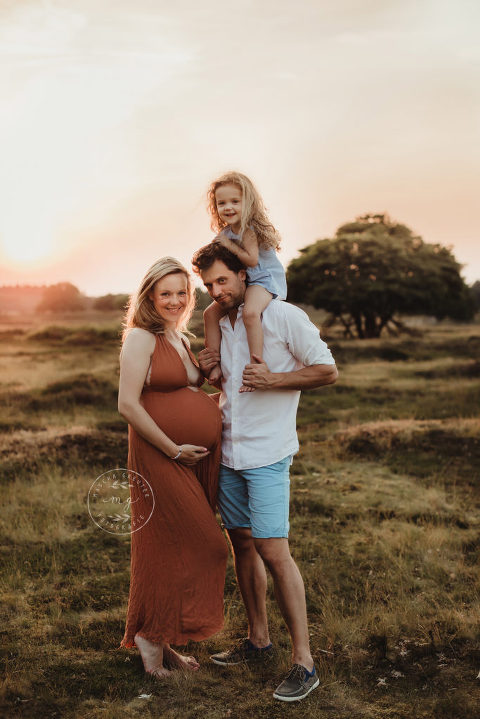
<point x="258" y="498"/>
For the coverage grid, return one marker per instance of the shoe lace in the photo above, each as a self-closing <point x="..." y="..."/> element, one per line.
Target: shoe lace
<point x="296" y="672"/>
<point x="240" y="645"/>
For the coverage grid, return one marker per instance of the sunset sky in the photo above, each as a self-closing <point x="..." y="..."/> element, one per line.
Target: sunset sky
<point x="115" y="116"/>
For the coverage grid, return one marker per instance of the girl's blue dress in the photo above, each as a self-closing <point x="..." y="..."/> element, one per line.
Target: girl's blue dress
<point x="269" y="272"/>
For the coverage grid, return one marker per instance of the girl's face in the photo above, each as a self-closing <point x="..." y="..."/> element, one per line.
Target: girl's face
<point x="170" y="298"/>
<point x="229" y="205"/>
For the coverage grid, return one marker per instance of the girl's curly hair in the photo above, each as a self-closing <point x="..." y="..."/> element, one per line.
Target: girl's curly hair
<point x="254" y="214"/>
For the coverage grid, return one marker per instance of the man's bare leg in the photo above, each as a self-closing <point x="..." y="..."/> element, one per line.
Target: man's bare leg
<point x="252" y="580"/>
<point x="289" y="593"/>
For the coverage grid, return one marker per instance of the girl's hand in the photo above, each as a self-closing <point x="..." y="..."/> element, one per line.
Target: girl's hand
<point x="191" y="454"/>
<point x="221" y="240"/>
<point x="215" y="375"/>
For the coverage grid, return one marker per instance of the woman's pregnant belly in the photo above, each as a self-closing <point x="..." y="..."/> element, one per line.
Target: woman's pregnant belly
<point x="186" y="416"/>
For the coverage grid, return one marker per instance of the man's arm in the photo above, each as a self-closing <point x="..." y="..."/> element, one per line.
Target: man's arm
<point x="259" y="376"/>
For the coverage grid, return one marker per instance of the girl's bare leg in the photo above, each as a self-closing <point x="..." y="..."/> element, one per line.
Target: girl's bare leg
<point x="257" y="298"/>
<point x="213" y="335"/>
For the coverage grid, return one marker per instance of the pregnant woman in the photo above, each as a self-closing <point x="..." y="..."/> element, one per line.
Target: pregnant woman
<point x="178" y="556"/>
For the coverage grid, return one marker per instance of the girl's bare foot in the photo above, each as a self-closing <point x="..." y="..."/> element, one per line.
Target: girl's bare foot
<point x="245" y="388"/>
<point x="174" y="660"/>
<point x="215" y="374"/>
<point x="152" y="656"/>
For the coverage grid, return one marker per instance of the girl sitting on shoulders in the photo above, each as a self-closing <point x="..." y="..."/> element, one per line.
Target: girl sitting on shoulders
<point x="239" y="216"/>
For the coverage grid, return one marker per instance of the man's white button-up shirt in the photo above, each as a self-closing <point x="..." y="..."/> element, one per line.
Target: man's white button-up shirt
<point x="259" y="428"/>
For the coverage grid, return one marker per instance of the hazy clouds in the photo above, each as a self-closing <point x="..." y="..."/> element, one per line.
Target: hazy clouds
<point x="115" y="117"/>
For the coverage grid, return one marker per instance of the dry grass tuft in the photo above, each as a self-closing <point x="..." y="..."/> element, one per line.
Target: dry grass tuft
<point x="26" y="454"/>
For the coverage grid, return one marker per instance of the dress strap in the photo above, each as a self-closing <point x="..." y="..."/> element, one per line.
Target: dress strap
<point x="195" y="362"/>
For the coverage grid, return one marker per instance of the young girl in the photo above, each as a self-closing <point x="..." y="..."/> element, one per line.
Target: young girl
<point x="238" y="214"/>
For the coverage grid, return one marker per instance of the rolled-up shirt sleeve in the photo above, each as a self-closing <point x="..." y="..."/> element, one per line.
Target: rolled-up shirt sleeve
<point x="303" y="338"/>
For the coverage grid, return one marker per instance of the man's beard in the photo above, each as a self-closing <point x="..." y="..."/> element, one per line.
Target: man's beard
<point x="233" y="303"/>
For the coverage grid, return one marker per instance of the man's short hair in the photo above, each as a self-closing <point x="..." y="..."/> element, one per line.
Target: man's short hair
<point x="204" y="258"/>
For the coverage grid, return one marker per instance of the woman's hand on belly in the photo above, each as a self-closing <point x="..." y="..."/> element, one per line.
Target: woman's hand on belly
<point x="191" y="454"/>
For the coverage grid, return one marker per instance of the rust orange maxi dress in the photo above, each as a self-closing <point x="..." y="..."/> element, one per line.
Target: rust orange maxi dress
<point x="178" y="557"/>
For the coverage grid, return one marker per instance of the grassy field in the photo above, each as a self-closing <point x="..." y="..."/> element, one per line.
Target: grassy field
<point x="385" y="528"/>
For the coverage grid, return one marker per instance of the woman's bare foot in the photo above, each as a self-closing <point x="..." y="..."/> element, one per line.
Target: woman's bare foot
<point x="174" y="660"/>
<point x="152" y="656"/>
<point x="160" y="672"/>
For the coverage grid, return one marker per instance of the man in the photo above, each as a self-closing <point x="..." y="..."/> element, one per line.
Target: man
<point x="259" y="440"/>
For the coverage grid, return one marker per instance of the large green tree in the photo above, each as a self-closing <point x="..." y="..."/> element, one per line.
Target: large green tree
<point x="202" y="299"/>
<point x="374" y="270"/>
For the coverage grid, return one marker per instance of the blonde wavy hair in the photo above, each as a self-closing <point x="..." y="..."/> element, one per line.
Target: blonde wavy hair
<point x="141" y="311"/>
<point x="254" y="213"/>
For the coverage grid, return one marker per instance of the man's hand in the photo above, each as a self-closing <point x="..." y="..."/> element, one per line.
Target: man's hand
<point x="258" y="375"/>
<point x="207" y="359"/>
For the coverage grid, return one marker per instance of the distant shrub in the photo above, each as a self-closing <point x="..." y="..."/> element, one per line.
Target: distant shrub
<point x="13" y="425"/>
<point x="389" y="352"/>
<point x="93" y="335"/>
<point x="459" y="348"/>
<point x="111" y="302"/>
<point x="112" y="425"/>
<point x="475" y="292"/>
<point x="62" y="297"/>
<point x="421" y="451"/>
<point x="467" y="369"/>
<point x="11" y="333"/>
<point x="392" y="354"/>
<point x="98" y="450"/>
<point x="76" y="335"/>
<point x="51" y="333"/>
<point x="83" y="389"/>
<point x="202" y="299"/>
<point x="405" y="349"/>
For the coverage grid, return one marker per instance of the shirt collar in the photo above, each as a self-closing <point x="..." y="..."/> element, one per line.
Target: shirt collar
<point x="225" y="321"/>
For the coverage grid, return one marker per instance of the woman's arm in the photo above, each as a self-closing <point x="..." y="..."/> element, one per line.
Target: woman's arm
<point x="247" y="252"/>
<point x="134" y="362"/>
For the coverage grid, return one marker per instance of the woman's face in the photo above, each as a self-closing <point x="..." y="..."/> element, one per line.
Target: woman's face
<point x="170" y="298"/>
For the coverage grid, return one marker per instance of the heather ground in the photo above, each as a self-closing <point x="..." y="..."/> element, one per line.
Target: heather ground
<point x="385" y="528"/>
